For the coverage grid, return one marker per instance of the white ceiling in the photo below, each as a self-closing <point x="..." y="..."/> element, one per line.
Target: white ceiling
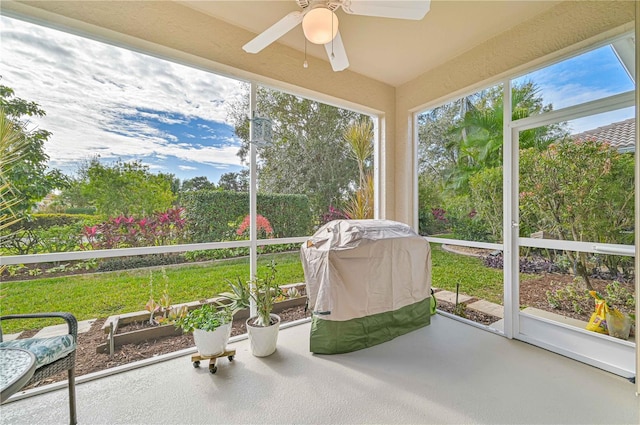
<point x="393" y="51"/>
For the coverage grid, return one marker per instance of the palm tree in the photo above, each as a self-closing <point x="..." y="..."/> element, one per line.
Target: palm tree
<point x="12" y="148"/>
<point x="359" y="137"/>
<point x="480" y="141"/>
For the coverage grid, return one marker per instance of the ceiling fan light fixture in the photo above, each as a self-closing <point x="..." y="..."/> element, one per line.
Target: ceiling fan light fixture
<point x="320" y="25"/>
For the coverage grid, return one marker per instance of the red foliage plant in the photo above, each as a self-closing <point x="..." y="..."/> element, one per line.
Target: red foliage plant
<point x="162" y="228"/>
<point x="261" y="222"/>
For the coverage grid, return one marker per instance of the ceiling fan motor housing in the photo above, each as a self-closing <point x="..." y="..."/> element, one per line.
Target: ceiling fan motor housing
<point x="331" y="5"/>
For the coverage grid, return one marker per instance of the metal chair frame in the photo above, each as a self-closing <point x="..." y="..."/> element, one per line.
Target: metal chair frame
<point x="67" y="363"/>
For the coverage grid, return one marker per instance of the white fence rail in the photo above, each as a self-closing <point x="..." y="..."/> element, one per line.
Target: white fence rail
<point x="126" y="252"/>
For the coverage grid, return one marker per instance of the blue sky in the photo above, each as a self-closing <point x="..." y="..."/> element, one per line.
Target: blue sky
<point x="118" y="104"/>
<point x="589" y="76"/>
<point x="109" y="101"/>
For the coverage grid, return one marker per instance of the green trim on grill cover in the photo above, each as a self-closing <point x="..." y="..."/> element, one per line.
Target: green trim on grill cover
<point x="334" y="337"/>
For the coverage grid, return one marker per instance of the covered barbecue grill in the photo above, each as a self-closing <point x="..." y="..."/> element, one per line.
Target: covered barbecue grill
<point x="368" y="281"/>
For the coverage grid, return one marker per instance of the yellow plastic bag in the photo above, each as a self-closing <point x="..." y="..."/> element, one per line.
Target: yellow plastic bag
<point x="598" y="320"/>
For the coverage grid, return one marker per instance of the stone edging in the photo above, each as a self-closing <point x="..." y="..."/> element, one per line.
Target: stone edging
<point x="451" y="249"/>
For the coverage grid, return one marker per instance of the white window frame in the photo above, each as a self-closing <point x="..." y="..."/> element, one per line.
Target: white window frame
<point x="612" y="354"/>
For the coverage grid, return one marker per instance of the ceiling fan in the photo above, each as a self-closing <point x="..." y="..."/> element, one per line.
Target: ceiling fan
<point x="320" y="23"/>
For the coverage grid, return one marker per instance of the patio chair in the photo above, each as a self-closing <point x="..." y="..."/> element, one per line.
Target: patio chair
<point x="53" y="355"/>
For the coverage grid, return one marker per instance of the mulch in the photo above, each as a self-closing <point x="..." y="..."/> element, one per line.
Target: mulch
<point x="88" y="361"/>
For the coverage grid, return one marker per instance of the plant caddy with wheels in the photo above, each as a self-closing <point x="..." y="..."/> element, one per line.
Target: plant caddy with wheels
<point x="211" y="328"/>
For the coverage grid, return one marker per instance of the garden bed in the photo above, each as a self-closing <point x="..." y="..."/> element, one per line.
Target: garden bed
<point x="87" y="361"/>
<point x="533" y="293"/>
<point x="133" y="328"/>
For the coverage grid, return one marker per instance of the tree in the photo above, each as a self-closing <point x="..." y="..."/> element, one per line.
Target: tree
<point x="307" y="155"/>
<point x="73" y="195"/>
<point x="235" y="182"/>
<point x="126" y="188"/>
<point x="30" y="178"/>
<point x="197" y="183"/>
<point x="174" y="183"/>
<point x="438" y="135"/>
<point x="461" y="138"/>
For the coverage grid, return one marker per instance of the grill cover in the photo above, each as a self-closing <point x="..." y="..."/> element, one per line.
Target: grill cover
<point x="368" y="281"/>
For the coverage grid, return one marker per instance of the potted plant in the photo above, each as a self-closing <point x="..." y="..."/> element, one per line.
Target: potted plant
<point x="238" y="299"/>
<point x="211" y="327"/>
<point x="263" y="328"/>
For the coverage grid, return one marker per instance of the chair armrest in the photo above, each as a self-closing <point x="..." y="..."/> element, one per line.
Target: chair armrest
<point x="68" y="317"/>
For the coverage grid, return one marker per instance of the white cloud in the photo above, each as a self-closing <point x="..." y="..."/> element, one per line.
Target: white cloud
<point x="86" y="87"/>
<point x="187" y="167"/>
<point x="600" y="120"/>
<point x="562" y="96"/>
<point x="590" y="76"/>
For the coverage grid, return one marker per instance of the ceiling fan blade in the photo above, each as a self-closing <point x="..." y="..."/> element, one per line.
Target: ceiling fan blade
<point x="339" y="61"/>
<point x="414" y="10"/>
<point x="274" y="32"/>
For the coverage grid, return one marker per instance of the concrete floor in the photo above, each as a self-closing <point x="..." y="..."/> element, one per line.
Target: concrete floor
<point x="446" y="373"/>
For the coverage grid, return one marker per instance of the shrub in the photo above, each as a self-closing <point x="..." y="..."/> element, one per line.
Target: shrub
<point x="278" y="248"/>
<point x="486" y="197"/>
<point x="164" y="228"/>
<point x="529" y="265"/>
<point x="216" y="254"/>
<point x="262" y="223"/>
<point x="43" y="233"/>
<point x="431" y="219"/>
<point x="471" y="228"/>
<point x="214" y="215"/>
<point x="60" y="238"/>
<point x="464" y="220"/>
<point x="619" y="296"/>
<point x="578" y="190"/>
<point x="575" y="297"/>
<point x="125" y="263"/>
<point x="571" y="297"/>
<point x="36" y="221"/>
<point x="333" y="214"/>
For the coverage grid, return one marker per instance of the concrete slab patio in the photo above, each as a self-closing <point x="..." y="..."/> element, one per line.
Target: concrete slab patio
<point x="445" y="373"/>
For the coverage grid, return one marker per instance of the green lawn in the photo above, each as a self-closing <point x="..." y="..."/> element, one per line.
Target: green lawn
<point x="103" y="294"/>
<point x="475" y="279"/>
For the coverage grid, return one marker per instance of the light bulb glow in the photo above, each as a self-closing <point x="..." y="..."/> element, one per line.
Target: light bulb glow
<point x="320" y="25"/>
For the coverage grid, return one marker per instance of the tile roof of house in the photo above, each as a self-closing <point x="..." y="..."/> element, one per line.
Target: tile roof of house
<point x="620" y="135"/>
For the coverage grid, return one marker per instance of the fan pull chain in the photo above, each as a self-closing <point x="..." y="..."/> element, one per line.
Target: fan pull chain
<point x="305" y="64"/>
<point x="332" y="55"/>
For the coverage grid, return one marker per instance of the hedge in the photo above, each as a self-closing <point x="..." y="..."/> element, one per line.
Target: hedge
<point x="81" y="210"/>
<point x="45" y="221"/>
<point x="215" y="215"/>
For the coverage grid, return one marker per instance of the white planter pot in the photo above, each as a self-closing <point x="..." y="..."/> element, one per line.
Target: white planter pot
<point x="263" y="340"/>
<point x="211" y="343"/>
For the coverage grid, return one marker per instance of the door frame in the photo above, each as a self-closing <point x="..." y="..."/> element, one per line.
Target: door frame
<point x="608" y="353"/>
